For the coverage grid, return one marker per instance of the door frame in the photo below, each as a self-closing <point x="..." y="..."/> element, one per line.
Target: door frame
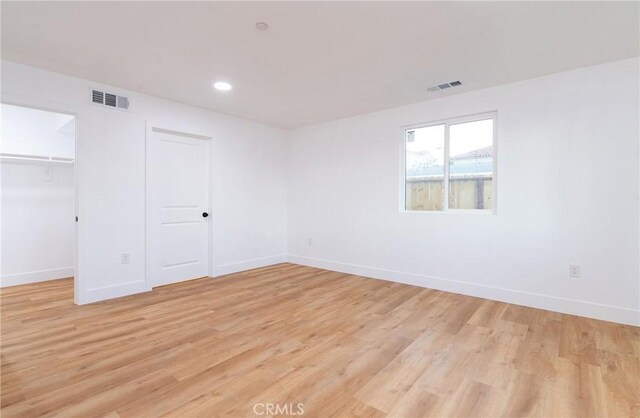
<point x="64" y="109"/>
<point x="150" y="128"/>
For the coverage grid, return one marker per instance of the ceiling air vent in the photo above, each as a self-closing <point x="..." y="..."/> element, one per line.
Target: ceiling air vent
<point x="109" y="99"/>
<point x="444" y="86"/>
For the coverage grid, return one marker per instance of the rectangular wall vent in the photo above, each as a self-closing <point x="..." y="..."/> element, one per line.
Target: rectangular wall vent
<point x="444" y="86"/>
<point x="109" y="99"/>
<point x="123" y="102"/>
<point x="97" y="97"/>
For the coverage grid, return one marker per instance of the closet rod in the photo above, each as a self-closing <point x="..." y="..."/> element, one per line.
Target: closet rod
<point x="39" y="158"/>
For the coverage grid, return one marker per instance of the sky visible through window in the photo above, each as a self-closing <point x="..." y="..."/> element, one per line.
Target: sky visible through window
<point x="463" y="138"/>
<point x="470" y="136"/>
<point x="426" y="147"/>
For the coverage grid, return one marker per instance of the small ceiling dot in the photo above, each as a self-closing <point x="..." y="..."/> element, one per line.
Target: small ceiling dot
<point x="262" y="26"/>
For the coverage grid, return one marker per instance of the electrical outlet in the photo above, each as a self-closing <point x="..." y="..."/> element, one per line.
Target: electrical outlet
<point x="124" y="258"/>
<point x="574" y="270"/>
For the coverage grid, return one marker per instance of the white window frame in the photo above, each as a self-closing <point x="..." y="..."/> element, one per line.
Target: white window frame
<point x="447" y="123"/>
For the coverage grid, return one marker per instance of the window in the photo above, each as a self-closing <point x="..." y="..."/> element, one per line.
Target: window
<point x="450" y="165"/>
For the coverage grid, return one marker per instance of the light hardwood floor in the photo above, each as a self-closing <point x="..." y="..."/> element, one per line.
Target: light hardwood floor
<point x="339" y="344"/>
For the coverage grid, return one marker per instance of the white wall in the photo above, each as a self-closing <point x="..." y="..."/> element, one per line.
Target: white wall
<point x="37" y="132"/>
<point x="37" y="222"/>
<point x="567" y="193"/>
<point x="249" y="187"/>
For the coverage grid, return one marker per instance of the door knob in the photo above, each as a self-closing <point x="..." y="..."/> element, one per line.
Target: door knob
<point x="205" y="214"/>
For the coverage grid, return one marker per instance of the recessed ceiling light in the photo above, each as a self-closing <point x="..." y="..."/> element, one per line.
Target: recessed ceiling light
<point x="222" y="86"/>
<point x="262" y="26"/>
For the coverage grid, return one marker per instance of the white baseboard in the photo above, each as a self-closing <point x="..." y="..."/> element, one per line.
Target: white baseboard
<point x="114" y="291"/>
<point x="535" y="300"/>
<point x="131" y="288"/>
<point x="253" y="263"/>
<point x="36" y="276"/>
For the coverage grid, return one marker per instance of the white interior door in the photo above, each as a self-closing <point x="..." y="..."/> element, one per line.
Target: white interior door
<point x="178" y="177"/>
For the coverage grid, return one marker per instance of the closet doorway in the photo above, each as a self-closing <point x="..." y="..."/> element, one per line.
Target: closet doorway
<point x="38" y="204"/>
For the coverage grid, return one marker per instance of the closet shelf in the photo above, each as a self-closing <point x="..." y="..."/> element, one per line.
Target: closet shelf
<point x="37" y="158"/>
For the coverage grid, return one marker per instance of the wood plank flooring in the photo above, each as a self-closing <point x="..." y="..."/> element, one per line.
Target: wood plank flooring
<point x="340" y="345"/>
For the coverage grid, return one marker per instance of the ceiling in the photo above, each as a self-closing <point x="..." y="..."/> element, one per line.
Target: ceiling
<point x="318" y="61"/>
